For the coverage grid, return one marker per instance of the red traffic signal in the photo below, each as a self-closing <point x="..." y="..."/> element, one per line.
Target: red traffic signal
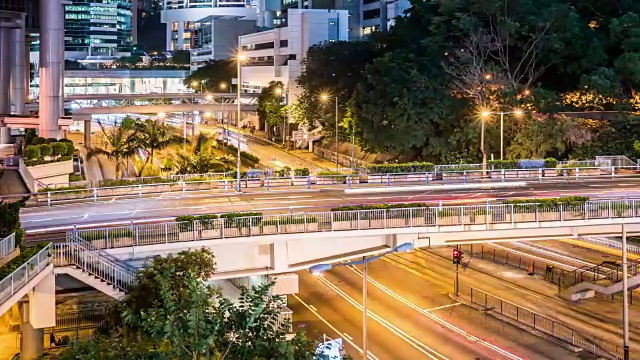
<point x="457" y="256"/>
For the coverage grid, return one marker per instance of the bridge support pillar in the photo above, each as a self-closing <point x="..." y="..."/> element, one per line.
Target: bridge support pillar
<point x="51" y="66"/>
<point x="391" y="240"/>
<point x="32" y="339"/>
<point x="36" y="314"/>
<point x="5" y="80"/>
<point x="87" y="133"/>
<point x="279" y="256"/>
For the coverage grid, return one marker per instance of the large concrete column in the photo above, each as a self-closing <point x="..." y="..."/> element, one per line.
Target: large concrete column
<point x="51" y="66"/>
<point x="18" y="80"/>
<point x="180" y="36"/>
<point x="5" y="80"/>
<point x="32" y="340"/>
<point x="87" y="133"/>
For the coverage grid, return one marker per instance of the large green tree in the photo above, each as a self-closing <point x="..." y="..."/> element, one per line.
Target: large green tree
<point x="215" y="76"/>
<point x="172" y="313"/>
<point x="120" y="144"/>
<point x="270" y="105"/>
<point x="154" y="136"/>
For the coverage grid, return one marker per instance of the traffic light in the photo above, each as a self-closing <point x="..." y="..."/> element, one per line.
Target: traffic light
<point x="457" y="256"/>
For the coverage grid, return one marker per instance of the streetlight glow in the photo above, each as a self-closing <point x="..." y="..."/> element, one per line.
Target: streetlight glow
<point x="207" y="114"/>
<point x="222" y="86"/>
<point x="485" y="114"/>
<point x="487" y="76"/>
<point x="518" y="112"/>
<point x="278" y="91"/>
<point x="161" y="115"/>
<point x="527" y="92"/>
<point x="194" y="84"/>
<point x="241" y="57"/>
<point x="209" y="97"/>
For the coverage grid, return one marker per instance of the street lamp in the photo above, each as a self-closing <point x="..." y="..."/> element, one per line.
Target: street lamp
<point x="222" y="87"/>
<point x="239" y="59"/>
<point x="162" y="116"/>
<point x="279" y="92"/>
<point x="321" y="268"/>
<point x="486" y="114"/>
<point x="325" y="98"/>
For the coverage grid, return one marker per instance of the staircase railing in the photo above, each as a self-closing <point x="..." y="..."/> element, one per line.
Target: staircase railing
<point x="25" y="273"/>
<point x="75" y="253"/>
<point x="7" y="245"/>
<point x="72" y="238"/>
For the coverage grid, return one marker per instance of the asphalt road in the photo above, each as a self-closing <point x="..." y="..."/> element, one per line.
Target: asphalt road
<point x="165" y="206"/>
<point x="410" y="317"/>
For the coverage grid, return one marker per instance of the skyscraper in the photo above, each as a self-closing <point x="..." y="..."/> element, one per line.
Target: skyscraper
<point x="103" y="28"/>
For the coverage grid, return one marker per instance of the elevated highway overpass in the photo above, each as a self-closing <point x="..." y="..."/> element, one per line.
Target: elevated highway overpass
<point x="285" y="243"/>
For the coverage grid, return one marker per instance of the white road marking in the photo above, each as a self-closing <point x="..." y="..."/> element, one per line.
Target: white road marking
<point x="347" y="336"/>
<point x="436" y="318"/>
<point x="313" y="307"/>
<point x="442" y="307"/>
<point x="369" y="354"/>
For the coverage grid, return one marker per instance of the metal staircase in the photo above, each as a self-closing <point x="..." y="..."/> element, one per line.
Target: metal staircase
<point x="94" y="267"/>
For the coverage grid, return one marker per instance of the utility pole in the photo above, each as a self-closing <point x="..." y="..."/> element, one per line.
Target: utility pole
<point x="625" y="294"/>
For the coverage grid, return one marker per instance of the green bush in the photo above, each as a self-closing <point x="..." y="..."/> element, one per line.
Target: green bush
<point x="553" y="203"/>
<point x="284" y="172"/>
<point x="550" y="163"/>
<point x="59" y="149"/>
<point x="70" y="148"/>
<point x="301" y="172"/>
<point x="249" y="157"/>
<point x="290" y="220"/>
<point x="380" y="206"/>
<point x="32" y="152"/>
<point x="45" y="150"/>
<point x="461" y="167"/>
<point x="501" y="164"/>
<point x="37" y="140"/>
<point x="400" y="168"/>
<point x="50" y="140"/>
<point x="73" y="177"/>
<point x="26" y="253"/>
<point x="115" y="233"/>
<point x="65" y="141"/>
<point x="241" y="219"/>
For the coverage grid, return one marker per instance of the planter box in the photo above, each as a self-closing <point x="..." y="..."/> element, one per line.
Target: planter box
<point x="269" y="229"/>
<point x="549" y="172"/>
<point x="300" y="181"/>
<point x="211" y="234"/>
<point x="329" y="181"/>
<point x="279" y="182"/>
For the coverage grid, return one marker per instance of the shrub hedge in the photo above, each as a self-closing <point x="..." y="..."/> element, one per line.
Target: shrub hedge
<point x="550" y="202"/>
<point x="234" y="219"/>
<point x="26" y="253"/>
<point x="400" y="168"/>
<point x="301" y="172"/>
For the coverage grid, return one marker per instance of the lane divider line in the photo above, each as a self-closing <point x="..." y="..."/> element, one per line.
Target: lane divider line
<point x="418" y="345"/>
<point x="436" y="318"/>
<point x="349" y="339"/>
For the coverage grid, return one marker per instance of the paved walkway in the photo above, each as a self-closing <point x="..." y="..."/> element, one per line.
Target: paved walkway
<point x="598" y="316"/>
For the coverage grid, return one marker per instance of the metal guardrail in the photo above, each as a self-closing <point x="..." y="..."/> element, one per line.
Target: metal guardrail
<point x="74" y="252"/>
<point x="25" y="273"/>
<point x="507" y="214"/>
<point x="341" y="180"/>
<point x="610" y="243"/>
<point x="544" y="324"/>
<point x="7" y="245"/>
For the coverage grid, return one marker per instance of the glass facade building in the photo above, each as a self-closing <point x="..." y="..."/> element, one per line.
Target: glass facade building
<point x="98" y="27"/>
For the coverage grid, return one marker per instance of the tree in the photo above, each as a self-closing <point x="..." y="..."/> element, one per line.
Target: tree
<point x="171" y="313"/>
<point x="181" y="57"/>
<point x="334" y="68"/>
<point x="72" y="65"/>
<point x="403" y="107"/>
<point x="121" y="144"/>
<point x="212" y="75"/>
<point x="199" y="158"/>
<point x="154" y="136"/>
<point x="10" y="219"/>
<point x="270" y="105"/>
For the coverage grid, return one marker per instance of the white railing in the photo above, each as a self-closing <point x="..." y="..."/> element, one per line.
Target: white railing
<point x="430" y="217"/>
<point x="285" y="317"/>
<point x="7" y="245"/>
<point x="25" y="273"/>
<point x="75" y="253"/>
<point x="610" y="243"/>
<point x="335" y="181"/>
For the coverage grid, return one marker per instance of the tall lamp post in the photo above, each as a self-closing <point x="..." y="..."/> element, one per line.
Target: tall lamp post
<point x="239" y="59"/>
<point x="325" y="98"/>
<point x="279" y="92"/>
<point x="222" y="87"/>
<point x="502" y="114"/>
<point x="321" y="268"/>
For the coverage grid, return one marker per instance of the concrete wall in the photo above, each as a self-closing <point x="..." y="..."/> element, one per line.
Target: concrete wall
<point x="54" y="173"/>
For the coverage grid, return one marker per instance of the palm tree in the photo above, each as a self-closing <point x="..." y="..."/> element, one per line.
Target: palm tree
<point x="154" y="136"/>
<point x="199" y="159"/>
<point x="121" y="144"/>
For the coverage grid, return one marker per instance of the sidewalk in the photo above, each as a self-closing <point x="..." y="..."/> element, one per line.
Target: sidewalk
<point x="273" y="155"/>
<point x="598" y="317"/>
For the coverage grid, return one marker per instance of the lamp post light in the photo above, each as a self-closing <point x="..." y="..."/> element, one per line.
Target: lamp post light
<point x="279" y="92"/>
<point x="162" y="116"/>
<point x="222" y="87"/>
<point x="239" y="59"/>
<point x="321" y="268"/>
<point x="485" y="114"/>
<point x="325" y="98"/>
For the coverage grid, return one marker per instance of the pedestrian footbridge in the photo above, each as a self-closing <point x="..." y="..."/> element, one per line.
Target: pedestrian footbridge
<point x="247" y="246"/>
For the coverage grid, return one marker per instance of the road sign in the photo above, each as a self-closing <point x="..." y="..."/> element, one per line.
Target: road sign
<point x="297" y="135"/>
<point x="331" y="349"/>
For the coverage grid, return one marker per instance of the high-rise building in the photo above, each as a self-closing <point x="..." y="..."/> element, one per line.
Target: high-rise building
<point x="97" y="28"/>
<point x="181" y="17"/>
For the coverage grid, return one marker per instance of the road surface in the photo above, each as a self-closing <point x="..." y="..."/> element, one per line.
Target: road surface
<point x="410" y="317"/>
<point x="165" y="206"/>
